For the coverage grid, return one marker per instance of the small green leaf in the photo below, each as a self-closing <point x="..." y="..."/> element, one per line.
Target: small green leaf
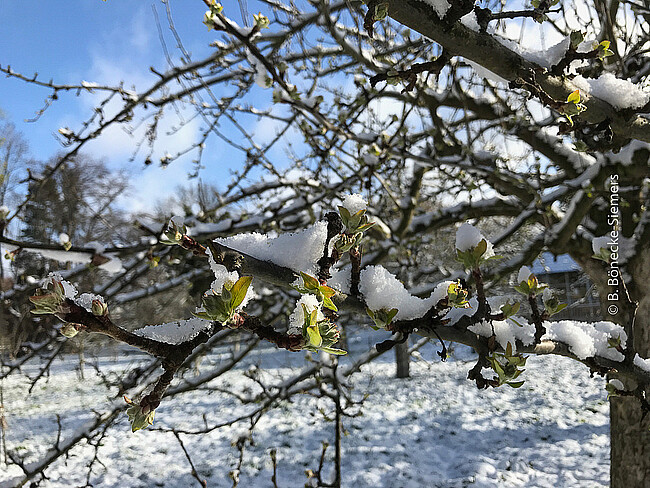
<point x="328" y="303"/>
<point x="574" y="97"/>
<point x="137" y="418"/>
<point x="345" y="215"/>
<point x="391" y="314"/>
<point x="576" y="39"/>
<point x="315" y="338"/>
<point x="226" y="295"/>
<point x="515" y="384"/>
<point x="364" y="227"/>
<point x="310" y="282"/>
<point x="480" y="249"/>
<point x="355" y="220"/>
<point x="239" y="290"/>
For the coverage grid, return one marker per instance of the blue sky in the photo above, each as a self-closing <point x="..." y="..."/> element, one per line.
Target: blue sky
<point x="103" y="42"/>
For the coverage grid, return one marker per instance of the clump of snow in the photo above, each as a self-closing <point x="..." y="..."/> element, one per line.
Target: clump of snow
<point x="98" y="247"/>
<point x="113" y="266"/>
<point x="599" y="243"/>
<point x="297" y="317"/>
<point x="177" y="220"/>
<point x="299" y="251"/>
<point x="469" y="20"/>
<point x="587" y="339"/>
<point x="354" y="203"/>
<point x="382" y="290"/>
<point x="619" y="93"/>
<point x="506" y="331"/>
<point x="64" y="238"/>
<point x="175" y="332"/>
<point x="262" y="78"/>
<point x="222" y="277"/>
<point x="69" y="289"/>
<point x="440" y="6"/>
<point x="221" y="274"/>
<point x="644" y="364"/>
<point x="340" y="279"/>
<point x="546" y="59"/>
<point x="439" y="292"/>
<point x="455" y="314"/>
<point x="467" y="237"/>
<point x="524" y="274"/>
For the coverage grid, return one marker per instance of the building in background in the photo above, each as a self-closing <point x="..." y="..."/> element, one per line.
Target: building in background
<point x="572" y="285"/>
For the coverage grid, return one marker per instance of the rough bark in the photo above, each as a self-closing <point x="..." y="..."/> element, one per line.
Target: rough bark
<point x="402" y="360"/>
<point x="630" y="434"/>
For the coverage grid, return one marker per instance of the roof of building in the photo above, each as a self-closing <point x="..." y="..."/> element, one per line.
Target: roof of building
<point x="549" y="264"/>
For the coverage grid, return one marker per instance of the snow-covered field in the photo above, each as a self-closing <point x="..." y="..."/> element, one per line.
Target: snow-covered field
<point x="432" y="430"/>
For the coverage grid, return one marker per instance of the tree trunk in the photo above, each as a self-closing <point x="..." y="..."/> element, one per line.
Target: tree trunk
<point x="630" y="437"/>
<point x="402" y="359"/>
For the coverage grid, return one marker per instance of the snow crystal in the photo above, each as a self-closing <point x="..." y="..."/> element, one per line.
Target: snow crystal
<point x="587" y="339"/>
<point x="619" y="93"/>
<point x="440" y="6"/>
<point x="297" y="317"/>
<point x="644" y="364"/>
<point x="382" y="290"/>
<point x="174" y="332"/>
<point x="599" y="243"/>
<point x="299" y="251"/>
<point x="354" y="203"/>
<point x="524" y="274"/>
